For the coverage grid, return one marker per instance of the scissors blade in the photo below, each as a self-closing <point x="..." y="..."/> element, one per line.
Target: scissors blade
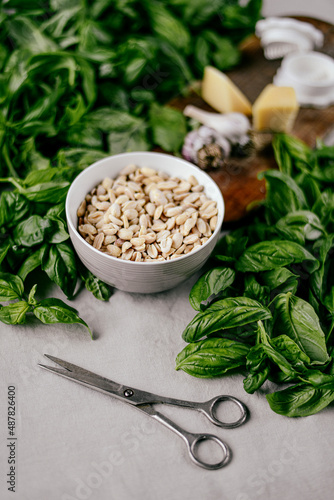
<point x="70" y="367"/>
<point x="65" y="364"/>
<point x="131" y="395"/>
<point x="84" y="377"/>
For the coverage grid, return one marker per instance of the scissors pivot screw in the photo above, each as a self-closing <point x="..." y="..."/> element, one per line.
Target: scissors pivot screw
<point x="128" y="393"/>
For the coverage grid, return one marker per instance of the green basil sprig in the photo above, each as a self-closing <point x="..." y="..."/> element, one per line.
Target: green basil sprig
<point x="214" y="282"/>
<point x="300" y="400"/>
<point x="269" y="314"/>
<point x="34" y="236"/>
<point x="224" y="314"/>
<point x="77" y="86"/>
<point x="48" y="311"/>
<point x="296" y="318"/>
<point x="211" y="357"/>
<point x="275" y="254"/>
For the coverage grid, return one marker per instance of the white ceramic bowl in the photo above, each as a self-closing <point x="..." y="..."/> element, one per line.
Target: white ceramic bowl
<point x="139" y="277"/>
<point x="282" y="35"/>
<point x="311" y="75"/>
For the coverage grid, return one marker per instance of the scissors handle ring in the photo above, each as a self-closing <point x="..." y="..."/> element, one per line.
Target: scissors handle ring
<point x="210" y="407"/>
<point x="193" y="451"/>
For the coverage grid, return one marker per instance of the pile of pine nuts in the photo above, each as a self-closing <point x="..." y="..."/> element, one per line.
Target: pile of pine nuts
<point x="146" y="216"/>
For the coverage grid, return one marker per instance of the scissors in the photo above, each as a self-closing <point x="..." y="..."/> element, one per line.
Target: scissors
<point x="144" y="401"/>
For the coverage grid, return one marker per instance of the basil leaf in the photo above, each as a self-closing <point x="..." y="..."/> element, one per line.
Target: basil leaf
<point x="211" y="357"/>
<point x="133" y="139"/>
<point x="291" y="233"/>
<point x="274" y="254"/>
<point x="230" y="247"/>
<point x="86" y="135"/>
<point x="51" y="311"/>
<point x="255" y="380"/>
<point x="322" y="280"/>
<point x="108" y="119"/>
<point x="31" y="232"/>
<point x="15" y="313"/>
<point x="26" y="34"/>
<point x="324" y="207"/>
<point x="241" y="333"/>
<point x="31" y="263"/>
<point x="258" y="358"/>
<point x="300" y="225"/>
<point x="260" y="231"/>
<point x="225" y="313"/>
<point x="300" y="400"/>
<point x="280" y="280"/>
<point x="48" y="192"/>
<point x="276" y="277"/>
<point x="57" y="211"/>
<point x="277" y="358"/>
<point x="328" y="301"/>
<point x="319" y="379"/>
<point x="282" y="352"/>
<point x="5" y="245"/>
<point x="176" y="64"/>
<point x="168" y="127"/>
<point x="202" y="52"/>
<point x="11" y="287"/>
<point x="224" y="55"/>
<point x="99" y="289"/>
<point x="283" y="195"/>
<point x="297" y="319"/>
<point x="134" y="69"/>
<point x="211" y="283"/>
<point x="291" y="351"/>
<point x="196" y="13"/>
<point x="125" y="132"/>
<point x="310" y="188"/>
<point x="288" y="149"/>
<point x="59" y="263"/>
<point x="40" y="176"/>
<point x="240" y="16"/>
<point x="15" y="256"/>
<point x="13" y="207"/>
<point x="324" y="174"/>
<point x="31" y="297"/>
<point x="169" y="27"/>
<point x="282" y="155"/>
<point x="58" y="232"/>
<point x="255" y="291"/>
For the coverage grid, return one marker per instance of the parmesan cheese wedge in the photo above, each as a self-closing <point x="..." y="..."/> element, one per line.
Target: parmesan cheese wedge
<point x="222" y="94"/>
<point x="275" y="109"/>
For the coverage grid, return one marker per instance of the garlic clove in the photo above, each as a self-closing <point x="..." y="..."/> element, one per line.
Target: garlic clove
<point x="230" y="125"/>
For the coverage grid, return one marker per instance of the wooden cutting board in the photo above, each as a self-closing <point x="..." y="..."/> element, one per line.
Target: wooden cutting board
<point x="238" y="178"/>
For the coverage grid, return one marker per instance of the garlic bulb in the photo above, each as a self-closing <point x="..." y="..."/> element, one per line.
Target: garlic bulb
<point x="232" y="126"/>
<point x="203" y="136"/>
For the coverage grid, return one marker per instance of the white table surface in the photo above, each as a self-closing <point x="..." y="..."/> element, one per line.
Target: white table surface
<point x="75" y="443"/>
